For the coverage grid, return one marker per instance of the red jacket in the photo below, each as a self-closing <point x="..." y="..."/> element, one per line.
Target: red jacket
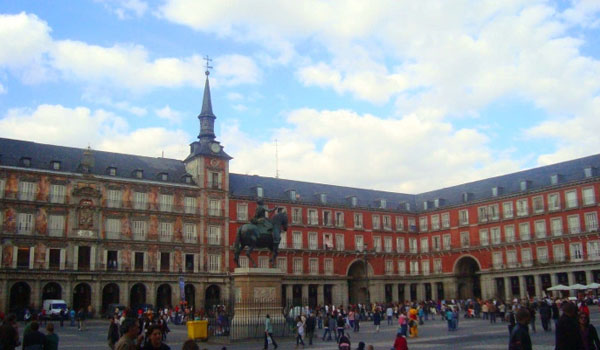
<point x="400" y="343"/>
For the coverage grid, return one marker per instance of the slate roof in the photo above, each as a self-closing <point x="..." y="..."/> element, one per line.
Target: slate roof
<point x="11" y="152"/>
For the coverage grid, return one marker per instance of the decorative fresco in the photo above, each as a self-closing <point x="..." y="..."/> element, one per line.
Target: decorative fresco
<point x="153" y="198"/>
<point x="126" y="227"/>
<point x="39" y="258"/>
<point x="178" y="230"/>
<point x="127" y="197"/>
<point x="41" y="222"/>
<point x="126" y="258"/>
<point x="10" y="220"/>
<point x="43" y="189"/>
<point x="152" y="256"/>
<point x="177" y="261"/>
<point x="7" y="254"/>
<point x="153" y="230"/>
<point x="85" y="214"/>
<point x="12" y="186"/>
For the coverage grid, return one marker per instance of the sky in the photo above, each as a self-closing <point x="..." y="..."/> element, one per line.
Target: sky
<point x="402" y="96"/>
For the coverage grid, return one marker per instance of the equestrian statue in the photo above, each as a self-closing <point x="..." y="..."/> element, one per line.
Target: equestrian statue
<point x="261" y="233"/>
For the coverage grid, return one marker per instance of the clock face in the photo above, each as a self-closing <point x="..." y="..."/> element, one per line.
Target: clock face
<point x="215" y="147"/>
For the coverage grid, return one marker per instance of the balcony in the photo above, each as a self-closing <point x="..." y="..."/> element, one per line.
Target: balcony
<point x="217" y="212"/>
<point x="114" y="203"/>
<point x="214" y="185"/>
<point x="26" y="195"/>
<point x="57" y="199"/>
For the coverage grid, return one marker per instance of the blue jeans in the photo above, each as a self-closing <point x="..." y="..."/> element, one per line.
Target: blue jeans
<point x="327" y="332"/>
<point x="299" y="339"/>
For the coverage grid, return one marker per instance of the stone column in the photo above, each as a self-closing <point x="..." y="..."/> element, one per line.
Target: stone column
<point x="450" y="289"/>
<point x="200" y="294"/>
<point x="487" y="289"/>
<point x="36" y="295"/>
<point x="522" y="287"/>
<point x="344" y="293"/>
<point x="434" y="292"/>
<point x="507" y="288"/>
<point x="96" y="297"/>
<point x="289" y="291"/>
<point x="420" y="292"/>
<point x="589" y="278"/>
<point x="537" y="279"/>
<point x="395" y="292"/>
<point x="554" y="282"/>
<point x="151" y="295"/>
<point x="68" y="293"/>
<point x="124" y="293"/>
<point x="571" y="277"/>
<point x="305" y="293"/>
<point x="4" y="299"/>
<point x="320" y="294"/>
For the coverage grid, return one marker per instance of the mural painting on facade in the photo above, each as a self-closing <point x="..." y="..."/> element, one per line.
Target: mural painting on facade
<point x="153" y="198"/>
<point x="127" y="197"/>
<point x="177" y="261"/>
<point x="39" y="258"/>
<point x="10" y="220"/>
<point x="152" y="256"/>
<point x="86" y="214"/>
<point x="126" y="258"/>
<point x="7" y="254"/>
<point x="178" y="230"/>
<point x="12" y="186"/>
<point x="41" y="222"/>
<point x="153" y="230"/>
<point x="43" y="189"/>
<point x="178" y="199"/>
<point x="126" y="227"/>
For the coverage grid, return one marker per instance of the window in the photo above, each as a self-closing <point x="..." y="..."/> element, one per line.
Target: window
<point x="387" y="222"/>
<point x="493" y="212"/>
<point x="282" y="264"/>
<point x="165" y="231"/>
<point x="259" y="192"/>
<point x="437" y="266"/>
<point x="214" y="235"/>
<point x="57" y="193"/>
<point x="423" y="223"/>
<point x="313" y="266"/>
<point x="24" y="223"/>
<point x="339" y="242"/>
<point x="389" y="267"/>
<point x="54" y="259"/>
<point x="412" y="225"/>
<point x="553" y="201"/>
<point x="298" y="266"/>
<point x="571" y="197"/>
<point x="400" y="244"/>
<point x="522" y="207"/>
<point x="339" y="219"/>
<point x="189" y="205"/>
<point x="112" y="260"/>
<point x="538" y="204"/>
<point x="358" y="220"/>
<point x="214" y="207"/>
<point x="313" y="243"/>
<point x="559" y="252"/>
<point x="402" y="268"/>
<point x="189" y="233"/>
<point x="482" y="214"/>
<point x="542" y="255"/>
<point x="511" y="258"/>
<point x="140" y="200"/>
<point x="292" y="194"/>
<point x="446" y="241"/>
<point x="139" y="261"/>
<point x="297" y="239"/>
<point x="509" y="233"/>
<point x="414" y="268"/>
<point x="112" y="171"/>
<point x="113" y="198"/>
<point x="297" y="216"/>
<point x="113" y="228"/>
<point x="576" y="251"/>
<point x="496" y="236"/>
<point x="412" y="245"/>
<point x="214" y="181"/>
<point x="139" y="230"/>
<point x="244" y="261"/>
<point x="436" y="243"/>
<point x="464" y="239"/>
<point x="446" y="220"/>
<point x="56" y="225"/>
<point x="139" y="174"/>
<point x="399" y="223"/>
<point x="591" y="222"/>
<point x="573" y="221"/>
<point x="189" y="263"/>
<point x="524" y="231"/>
<point x="425" y="267"/>
<point x="327" y="220"/>
<point x="435" y="222"/>
<point x="242" y="211"/>
<point x="283" y="242"/>
<point x="589" y="198"/>
<point x="497" y="261"/>
<point x="463" y="217"/>
<point x="387" y="244"/>
<point x="27" y="190"/>
<point x="593" y="250"/>
<point x="556" y="226"/>
<point x="23" y="257"/>
<point x="359" y="243"/>
<point x="313" y="217"/>
<point x="507" y="210"/>
<point x="540" y="228"/>
<point x="263" y="262"/>
<point x="214" y="262"/>
<point x="424" y="245"/>
<point x="377" y="244"/>
<point x="323" y="198"/>
<point x="376" y="222"/>
<point x="526" y="259"/>
<point x="484" y="237"/>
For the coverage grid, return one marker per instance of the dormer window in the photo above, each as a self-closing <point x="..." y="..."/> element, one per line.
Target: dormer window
<point x="438" y="202"/>
<point x="589" y="172"/>
<point x="353" y="201"/>
<point x="292" y="194"/>
<point x="323" y="198"/>
<point x="26" y="161"/>
<point x="425" y="205"/>
<point x="496" y="191"/>
<point x="381" y="203"/>
<point x="55" y="165"/>
<point x="138" y="173"/>
<point x="187" y="179"/>
<point x="112" y="171"/>
<point x="259" y="192"/>
<point x="554" y="179"/>
<point x="163" y="176"/>
<point x="407" y="206"/>
<point x="467" y="196"/>
<point x="524" y="185"/>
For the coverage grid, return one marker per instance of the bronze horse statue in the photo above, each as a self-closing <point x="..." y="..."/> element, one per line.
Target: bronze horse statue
<point x="260" y="236"/>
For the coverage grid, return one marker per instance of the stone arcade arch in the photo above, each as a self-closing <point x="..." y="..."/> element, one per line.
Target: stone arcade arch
<point x="51" y="290"/>
<point x="190" y="295"/>
<point x="110" y="295"/>
<point x="467" y="271"/>
<point x="82" y="296"/>
<point x="212" y="297"/>
<point x="20" y="297"/>
<point x="358" y="282"/>
<point x="137" y="296"/>
<point x="163" y="296"/>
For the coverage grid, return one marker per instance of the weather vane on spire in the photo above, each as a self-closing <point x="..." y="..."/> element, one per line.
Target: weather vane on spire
<point x="208" y="66"/>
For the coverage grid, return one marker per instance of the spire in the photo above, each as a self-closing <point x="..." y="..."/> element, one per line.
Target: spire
<point x="206" y="101"/>
<point x="206" y="117"/>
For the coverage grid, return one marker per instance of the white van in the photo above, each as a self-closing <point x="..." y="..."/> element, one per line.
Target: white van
<point x="53" y="307"/>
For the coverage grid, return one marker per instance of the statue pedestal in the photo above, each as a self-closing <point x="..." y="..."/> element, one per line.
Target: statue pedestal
<point x="257" y="293"/>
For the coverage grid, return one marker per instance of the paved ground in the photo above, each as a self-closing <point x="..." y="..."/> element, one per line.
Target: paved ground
<point x="471" y="334"/>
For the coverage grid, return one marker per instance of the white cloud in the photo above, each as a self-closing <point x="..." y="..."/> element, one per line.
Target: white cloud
<point x="2" y="89"/>
<point x="102" y="99"/>
<point x="125" y="9"/>
<point x="169" y="114"/>
<point x="235" y="70"/>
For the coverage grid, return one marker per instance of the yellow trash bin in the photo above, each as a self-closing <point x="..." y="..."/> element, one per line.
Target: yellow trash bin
<point x="197" y="329"/>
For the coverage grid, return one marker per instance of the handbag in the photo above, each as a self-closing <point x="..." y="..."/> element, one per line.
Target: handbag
<point x="269" y="340"/>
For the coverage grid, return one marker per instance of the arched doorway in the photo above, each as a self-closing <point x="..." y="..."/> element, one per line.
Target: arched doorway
<point x="467" y="278"/>
<point x="163" y="296"/>
<point x="82" y="296"/>
<point x="110" y="295"/>
<point x="358" y="283"/>
<point x="137" y="296"/>
<point x="190" y="295"/>
<point x="20" y="297"/>
<point x="51" y="290"/>
<point x="212" y="297"/>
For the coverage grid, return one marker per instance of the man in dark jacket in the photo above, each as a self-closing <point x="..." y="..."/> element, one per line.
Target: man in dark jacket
<point x="34" y="339"/>
<point x="113" y="333"/>
<point x="545" y="314"/>
<point x="568" y="336"/>
<point x="311" y="323"/>
<point x="519" y="337"/>
<point x="8" y="333"/>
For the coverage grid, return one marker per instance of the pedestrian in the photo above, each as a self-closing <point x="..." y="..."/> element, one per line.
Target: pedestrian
<point x="326" y="329"/>
<point x="190" y="344"/>
<point x="555" y="314"/>
<point x="80" y="319"/>
<point x="34" y="339"/>
<point x="113" y="333"/>
<point x="400" y="342"/>
<point x="588" y="332"/>
<point x="403" y="322"/>
<point x="568" y="336"/>
<point x="155" y="335"/>
<point x="449" y="319"/>
<point x="61" y="316"/>
<point x="72" y="317"/>
<point x="389" y="314"/>
<point x="300" y="332"/>
<point x="131" y="338"/>
<point x="51" y="338"/>
<point x="269" y="333"/>
<point x="311" y="323"/>
<point x="519" y="337"/>
<point x="545" y="314"/>
<point x="344" y="343"/>
<point x="9" y="336"/>
<point x="377" y="320"/>
<point x="340" y="324"/>
<point x="361" y="345"/>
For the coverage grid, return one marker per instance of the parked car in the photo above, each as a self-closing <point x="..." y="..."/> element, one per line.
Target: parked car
<point x="53" y="307"/>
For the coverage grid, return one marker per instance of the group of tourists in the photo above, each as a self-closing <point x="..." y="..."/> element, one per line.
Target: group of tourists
<point x="33" y="338"/>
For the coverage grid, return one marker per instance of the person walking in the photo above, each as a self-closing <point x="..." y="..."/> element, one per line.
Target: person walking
<point x="377" y="320"/>
<point x="131" y="338"/>
<point x="113" y="333"/>
<point x="34" y="339"/>
<point x="389" y="315"/>
<point x="555" y="314"/>
<point x="519" y="337"/>
<point x="72" y="317"/>
<point x="326" y="330"/>
<point x="311" y="324"/>
<point x="80" y="319"/>
<point x="568" y="336"/>
<point x="340" y="324"/>
<point x="155" y="342"/>
<point x="545" y="314"/>
<point x="51" y="342"/>
<point x="269" y="333"/>
<point x="9" y="336"/>
<point x="300" y="332"/>
<point x="588" y="332"/>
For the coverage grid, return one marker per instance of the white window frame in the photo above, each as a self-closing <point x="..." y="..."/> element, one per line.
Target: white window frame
<point x="437" y="266"/>
<point x="538" y="204"/>
<point x="423" y="224"/>
<point x="447" y="241"/>
<point x="214" y="262"/>
<point x="542" y="254"/>
<point x="359" y="243"/>
<point x="297" y="216"/>
<point x="339" y="242"/>
<point x="56" y="225"/>
<point x="588" y="195"/>
<point x="387" y="244"/>
<point x="509" y="233"/>
<point x="526" y="257"/>
<point x="424" y="245"/>
<point x="524" y="231"/>
<point x="140" y="200"/>
<point x="435" y="222"/>
<point x="425" y="267"/>
<point x="574" y="224"/>
<point x="511" y="258"/>
<point x="465" y="240"/>
<point x="189" y="205"/>
<point x="298" y="267"/>
<point x="554" y="201"/>
<point x="113" y="228"/>
<point x="496" y="235"/>
<point x="57" y="193"/>
<point x="242" y="211"/>
<point x="445" y="220"/>
<point x="540" y="228"/>
<point x="313" y="266"/>
<point x="214" y="235"/>
<point x="484" y="238"/>
<point x="377" y="244"/>
<point x="114" y="198"/>
<point x="463" y="217"/>
<point x="313" y="241"/>
<point x="165" y="231"/>
<point x="576" y="251"/>
<point x="497" y="260"/>
<point x="400" y="245"/>
<point x="389" y="267"/>
<point x="387" y="222"/>
<point x="327" y="218"/>
<point x="558" y="251"/>
<point x="328" y="266"/>
<point x="27" y="190"/>
<point x="508" y="211"/>
<point x="376" y="221"/>
<point x="190" y="235"/>
<point x="297" y="240"/>
<point x="313" y="217"/>
<point x="413" y="245"/>
<point x="358" y="220"/>
<point x="571" y="202"/>
<point x="591" y="221"/>
<point x="25" y="223"/>
<point x="593" y="250"/>
<point x="399" y="223"/>
<point x="401" y="267"/>
<point x="339" y="219"/>
<point x="556" y="226"/>
<point x="522" y="207"/>
<point x="139" y="229"/>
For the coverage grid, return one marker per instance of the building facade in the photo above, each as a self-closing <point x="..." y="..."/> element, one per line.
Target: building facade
<point x="97" y="228"/>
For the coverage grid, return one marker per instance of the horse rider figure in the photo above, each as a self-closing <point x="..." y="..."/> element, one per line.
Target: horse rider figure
<point x="260" y="218"/>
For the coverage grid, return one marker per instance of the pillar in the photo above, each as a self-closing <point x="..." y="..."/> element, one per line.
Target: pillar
<point x="507" y="288"/>
<point x="289" y="291"/>
<point x="320" y="294"/>
<point x="537" y="280"/>
<point x="4" y="299"/>
<point x="554" y="282"/>
<point x="200" y="294"/>
<point x="395" y="292"/>
<point x="151" y="293"/>
<point x="305" y="293"/>
<point x="434" y="291"/>
<point x="124" y="293"/>
<point x="449" y="289"/>
<point x="522" y="287"/>
<point x="487" y="287"/>
<point x="68" y="293"/>
<point x="589" y="278"/>
<point x="571" y="277"/>
<point x="36" y="295"/>
<point x="96" y="297"/>
<point x="420" y="292"/>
